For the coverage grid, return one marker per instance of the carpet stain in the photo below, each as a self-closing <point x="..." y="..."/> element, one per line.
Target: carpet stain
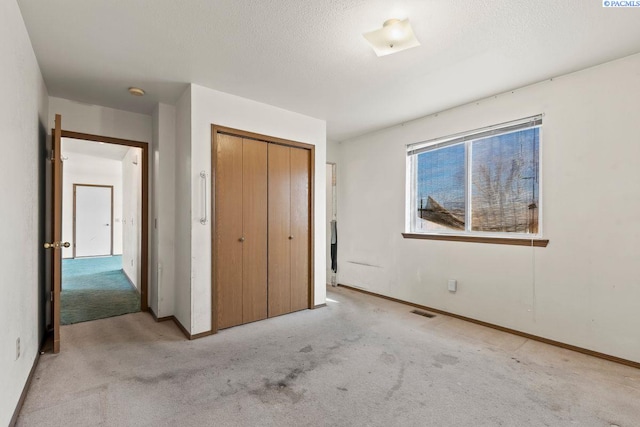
<point x="336" y="346"/>
<point x="437" y="365"/>
<point x="353" y="338"/>
<point x="277" y="391"/>
<point x="387" y="358"/>
<point x="342" y="388"/>
<point x="232" y="389"/>
<point x="293" y="374"/>
<point x="336" y="361"/>
<point x="154" y="380"/>
<point x="306" y="349"/>
<point x="446" y="359"/>
<point x="398" y="383"/>
<point x="180" y="375"/>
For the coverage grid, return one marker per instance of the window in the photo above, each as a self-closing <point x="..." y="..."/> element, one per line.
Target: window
<point x="481" y="183"/>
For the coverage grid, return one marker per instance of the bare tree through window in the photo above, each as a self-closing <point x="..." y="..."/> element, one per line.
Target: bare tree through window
<point x="491" y="181"/>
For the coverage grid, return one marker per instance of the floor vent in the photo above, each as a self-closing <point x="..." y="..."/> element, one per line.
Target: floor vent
<point x="423" y="313"/>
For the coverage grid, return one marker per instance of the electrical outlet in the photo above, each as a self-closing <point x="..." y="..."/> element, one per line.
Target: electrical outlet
<point x="453" y="285"/>
<point x="17" y="348"/>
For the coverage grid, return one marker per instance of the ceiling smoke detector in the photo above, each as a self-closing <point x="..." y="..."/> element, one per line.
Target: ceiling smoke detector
<point x="136" y="91"/>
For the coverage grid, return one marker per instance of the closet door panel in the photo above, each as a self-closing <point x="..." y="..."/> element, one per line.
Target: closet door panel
<point x="254" y="213"/>
<point x="300" y="220"/>
<point x="228" y="230"/>
<point x="279" y="228"/>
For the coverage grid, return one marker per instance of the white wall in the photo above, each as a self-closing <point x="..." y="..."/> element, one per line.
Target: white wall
<point x="213" y="107"/>
<point x="99" y="120"/>
<point x="84" y="169"/>
<point x="154" y="208"/>
<point x="131" y="169"/>
<point x="23" y="121"/>
<point x="333" y="151"/>
<point x="584" y="288"/>
<point x="162" y="294"/>
<point x="182" y="301"/>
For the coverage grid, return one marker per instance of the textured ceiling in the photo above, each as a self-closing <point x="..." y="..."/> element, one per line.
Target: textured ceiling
<point x="91" y="148"/>
<point x="310" y="56"/>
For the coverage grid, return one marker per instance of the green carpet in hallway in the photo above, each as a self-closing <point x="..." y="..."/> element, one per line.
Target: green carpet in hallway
<point x="95" y="288"/>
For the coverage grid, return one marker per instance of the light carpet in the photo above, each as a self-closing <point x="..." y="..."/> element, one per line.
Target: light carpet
<point x="361" y="361"/>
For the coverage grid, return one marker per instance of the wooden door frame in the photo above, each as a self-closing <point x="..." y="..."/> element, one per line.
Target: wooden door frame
<point x="56" y="229"/>
<point x="215" y="130"/>
<point x="74" y="215"/>
<point x="144" y="221"/>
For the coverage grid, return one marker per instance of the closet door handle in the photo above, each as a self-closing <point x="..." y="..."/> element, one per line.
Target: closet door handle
<point x="203" y="218"/>
<point x="241" y="239"/>
<point x="290" y="237"/>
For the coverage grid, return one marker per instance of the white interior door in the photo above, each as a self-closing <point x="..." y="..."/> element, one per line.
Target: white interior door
<point x="93" y="220"/>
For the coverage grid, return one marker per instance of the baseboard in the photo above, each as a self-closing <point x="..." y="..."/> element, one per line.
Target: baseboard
<point x="131" y="281"/>
<point x="180" y="326"/>
<point x="200" y="335"/>
<point x="320" y="306"/>
<point x="159" y="319"/>
<point x="25" y="389"/>
<point x="503" y="329"/>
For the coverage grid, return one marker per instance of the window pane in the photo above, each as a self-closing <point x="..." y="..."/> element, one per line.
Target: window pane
<point x="440" y="189"/>
<point x="504" y="174"/>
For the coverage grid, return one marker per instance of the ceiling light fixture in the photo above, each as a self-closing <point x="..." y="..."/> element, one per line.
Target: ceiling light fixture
<point x="395" y="35"/>
<point x="136" y="91"/>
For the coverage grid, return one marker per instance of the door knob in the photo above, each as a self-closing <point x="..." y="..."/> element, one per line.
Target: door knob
<point x="56" y="245"/>
<point x="290" y="237"/>
<point x="241" y="239"/>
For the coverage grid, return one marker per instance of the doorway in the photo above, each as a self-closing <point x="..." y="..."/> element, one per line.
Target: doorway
<point x="332" y="225"/>
<point x="101" y="212"/>
<point x="107" y="225"/>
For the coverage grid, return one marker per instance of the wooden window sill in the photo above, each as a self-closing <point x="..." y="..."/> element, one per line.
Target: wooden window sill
<point x="540" y="243"/>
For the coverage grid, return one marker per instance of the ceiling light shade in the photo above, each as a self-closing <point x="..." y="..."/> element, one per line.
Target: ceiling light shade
<point x="136" y="91"/>
<point x="395" y="35"/>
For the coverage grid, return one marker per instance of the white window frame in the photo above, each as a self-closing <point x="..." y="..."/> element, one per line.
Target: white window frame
<point x="467" y="138"/>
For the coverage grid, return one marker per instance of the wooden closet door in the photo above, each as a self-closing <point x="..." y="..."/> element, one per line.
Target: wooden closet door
<point x="254" y="218"/>
<point x="228" y="230"/>
<point x="300" y="218"/>
<point x="279" y="228"/>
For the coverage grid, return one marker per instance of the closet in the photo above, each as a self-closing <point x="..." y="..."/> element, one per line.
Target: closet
<point x="288" y="229"/>
<point x="262" y="227"/>
<point x="241" y="230"/>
